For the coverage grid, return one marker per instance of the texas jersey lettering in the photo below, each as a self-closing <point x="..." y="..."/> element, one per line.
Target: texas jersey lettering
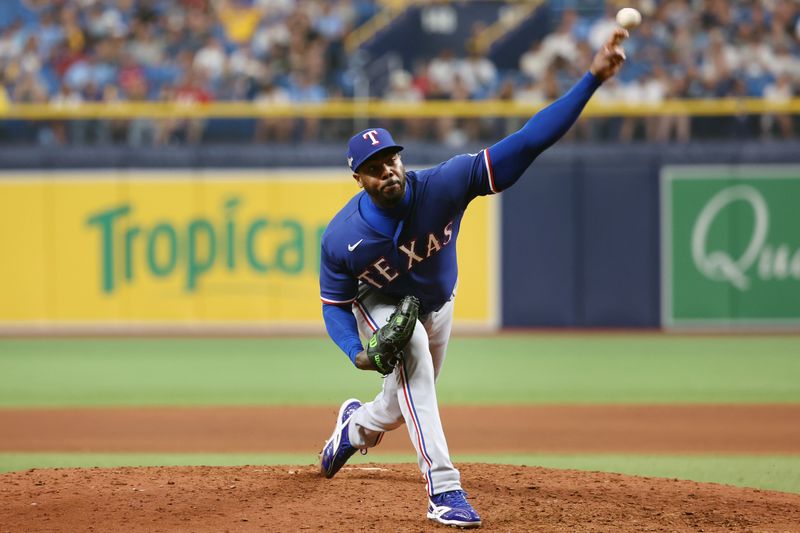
<point x="380" y="273"/>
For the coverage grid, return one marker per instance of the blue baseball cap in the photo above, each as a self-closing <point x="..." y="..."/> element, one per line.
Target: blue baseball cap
<point x="367" y="143"/>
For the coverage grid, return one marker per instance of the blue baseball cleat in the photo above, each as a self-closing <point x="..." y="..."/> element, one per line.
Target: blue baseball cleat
<point x="452" y="509"/>
<point x="337" y="449"/>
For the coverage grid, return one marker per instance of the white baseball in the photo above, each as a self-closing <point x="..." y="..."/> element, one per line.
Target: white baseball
<point x="628" y="18"/>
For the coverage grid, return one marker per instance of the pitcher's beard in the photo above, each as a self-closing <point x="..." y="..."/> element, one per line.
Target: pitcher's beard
<point x="393" y="193"/>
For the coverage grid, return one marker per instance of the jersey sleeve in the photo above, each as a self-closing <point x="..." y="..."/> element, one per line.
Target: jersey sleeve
<point x="464" y="177"/>
<point x="337" y="286"/>
<point x="342" y="328"/>
<point x="510" y="157"/>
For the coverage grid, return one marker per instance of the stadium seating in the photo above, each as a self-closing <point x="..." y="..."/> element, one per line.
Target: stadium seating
<point x="310" y="51"/>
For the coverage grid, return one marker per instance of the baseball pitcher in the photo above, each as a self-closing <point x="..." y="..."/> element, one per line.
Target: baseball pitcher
<point x="388" y="275"/>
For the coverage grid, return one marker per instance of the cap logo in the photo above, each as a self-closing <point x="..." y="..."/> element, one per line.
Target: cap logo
<point x="371" y="134"/>
<point x="350" y="162"/>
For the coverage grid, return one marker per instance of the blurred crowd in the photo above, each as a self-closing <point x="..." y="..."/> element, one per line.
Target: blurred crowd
<point x="68" y="51"/>
<point x="279" y="51"/>
<point x="683" y="49"/>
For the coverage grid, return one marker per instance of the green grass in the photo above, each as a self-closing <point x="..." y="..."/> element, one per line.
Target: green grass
<point x="549" y="368"/>
<point x="781" y="472"/>
<point x="765" y="472"/>
<point x="10" y="462"/>
<point x="546" y="368"/>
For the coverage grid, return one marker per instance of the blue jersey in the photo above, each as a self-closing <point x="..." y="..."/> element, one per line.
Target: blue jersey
<point x="420" y="257"/>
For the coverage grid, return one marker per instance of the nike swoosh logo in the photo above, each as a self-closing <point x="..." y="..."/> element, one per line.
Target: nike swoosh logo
<point x="351" y="247"/>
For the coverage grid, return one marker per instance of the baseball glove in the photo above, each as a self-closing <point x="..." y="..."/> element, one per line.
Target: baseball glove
<point x="385" y="348"/>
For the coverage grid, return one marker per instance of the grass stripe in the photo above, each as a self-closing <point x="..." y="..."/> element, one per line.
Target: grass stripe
<point x="773" y="472"/>
<point x="513" y="369"/>
<point x="14" y="461"/>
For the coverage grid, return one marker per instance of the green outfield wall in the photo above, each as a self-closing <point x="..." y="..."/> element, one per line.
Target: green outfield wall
<point x="730" y="246"/>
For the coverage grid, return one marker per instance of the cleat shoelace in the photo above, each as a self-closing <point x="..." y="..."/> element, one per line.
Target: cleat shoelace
<point x="455" y="500"/>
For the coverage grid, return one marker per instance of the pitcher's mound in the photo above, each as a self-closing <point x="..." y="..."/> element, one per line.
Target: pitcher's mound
<point x="375" y="497"/>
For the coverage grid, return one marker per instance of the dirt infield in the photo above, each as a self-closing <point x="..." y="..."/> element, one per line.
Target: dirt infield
<point x="390" y="498"/>
<point x="387" y="498"/>
<point x="474" y="429"/>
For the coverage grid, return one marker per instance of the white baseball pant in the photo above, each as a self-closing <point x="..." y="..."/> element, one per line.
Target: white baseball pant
<point x="409" y="393"/>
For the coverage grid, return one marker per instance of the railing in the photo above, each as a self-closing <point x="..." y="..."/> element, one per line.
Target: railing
<point x="349" y="109"/>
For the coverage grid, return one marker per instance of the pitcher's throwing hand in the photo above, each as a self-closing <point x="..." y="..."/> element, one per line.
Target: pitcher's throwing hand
<point x="609" y="59"/>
